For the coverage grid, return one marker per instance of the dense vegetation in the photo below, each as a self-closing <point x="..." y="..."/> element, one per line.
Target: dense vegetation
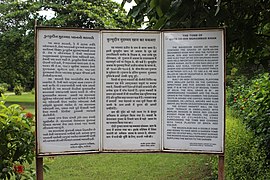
<point x="244" y="159"/>
<point x="17" y="20"/>
<point x="17" y="141"/>
<point x="251" y="101"/>
<point x="246" y="22"/>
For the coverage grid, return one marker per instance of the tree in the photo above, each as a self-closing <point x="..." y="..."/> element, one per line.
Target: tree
<point x="17" y="20"/>
<point x="86" y="14"/>
<point x="246" y="22"/>
<point x="16" y="42"/>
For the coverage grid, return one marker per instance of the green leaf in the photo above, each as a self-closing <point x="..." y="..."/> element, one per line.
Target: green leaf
<point x="160" y="23"/>
<point x="3" y="115"/>
<point x="135" y="11"/>
<point x="218" y="7"/>
<point x="3" y="106"/>
<point x="46" y="168"/>
<point x="14" y="106"/>
<point x="3" y="97"/>
<point x="159" y="11"/>
<point x="153" y="3"/>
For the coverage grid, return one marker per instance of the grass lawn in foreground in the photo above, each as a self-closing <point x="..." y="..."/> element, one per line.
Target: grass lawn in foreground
<point x="130" y="166"/>
<point x="26" y="100"/>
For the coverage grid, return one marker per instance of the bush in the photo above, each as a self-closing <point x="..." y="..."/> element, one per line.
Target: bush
<point x="3" y="88"/>
<point x="17" y="141"/>
<point x="18" y="90"/>
<point x="5" y="85"/>
<point x="33" y="91"/>
<point x="252" y="102"/>
<point x="244" y="159"/>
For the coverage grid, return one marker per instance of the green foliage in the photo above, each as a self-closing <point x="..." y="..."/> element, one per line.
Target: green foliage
<point x="247" y="138"/>
<point x="252" y="102"/>
<point x="18" y="90"/>
<point x="86" y="14"/>
<point x="3" y="88"/>
<point x="175" y="14"/>
<point x="17" y="141"/>
<point x="247" y="25"/>
<point x="33" y="91"/>
<point x="17" y="21"/>
<point x="5" y="85"/>
<point x="244" y="159"/>
<point x="17" y="41"/>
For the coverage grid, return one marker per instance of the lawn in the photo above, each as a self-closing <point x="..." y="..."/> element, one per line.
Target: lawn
<point x="130" y="166"/>
<point x="120" y="166"/>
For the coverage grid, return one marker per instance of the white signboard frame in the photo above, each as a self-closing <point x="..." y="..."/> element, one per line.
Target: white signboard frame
<point x="133" y="91"/>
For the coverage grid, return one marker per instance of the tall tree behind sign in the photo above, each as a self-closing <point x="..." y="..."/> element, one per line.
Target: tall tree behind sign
<point x="17" y="30"/>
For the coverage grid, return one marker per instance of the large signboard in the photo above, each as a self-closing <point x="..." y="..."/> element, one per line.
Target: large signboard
<point x="139" y="91"/>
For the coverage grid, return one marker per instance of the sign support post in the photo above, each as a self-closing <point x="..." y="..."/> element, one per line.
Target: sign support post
<point x="39" y="168"/>
<point x="221" y="175"/>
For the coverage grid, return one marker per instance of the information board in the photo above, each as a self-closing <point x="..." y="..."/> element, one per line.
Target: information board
<point x="123" y="91"/>
<point x="131" y="90"/>
<point x="194" y="90"/>
<point x="68" y="90"/>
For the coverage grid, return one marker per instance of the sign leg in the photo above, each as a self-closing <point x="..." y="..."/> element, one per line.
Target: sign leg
<point x="39" y="168"/>
<point x="221" y="175"/>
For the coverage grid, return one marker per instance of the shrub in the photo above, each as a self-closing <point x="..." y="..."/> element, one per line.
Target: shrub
<point x="18" y="89"/>
<point x="252" y="102"/>
<point x="17" y="141"/>
<point x="3" y="88"/>
<point x="256" y="108"/>
<point x="244" y="159"/>
<point x="33" y="91"/>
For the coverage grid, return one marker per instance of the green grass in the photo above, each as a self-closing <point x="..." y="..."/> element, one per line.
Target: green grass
<point x="121" y="166"/>
<point x="130" y="166"/>
<point x="26" y="100"/>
